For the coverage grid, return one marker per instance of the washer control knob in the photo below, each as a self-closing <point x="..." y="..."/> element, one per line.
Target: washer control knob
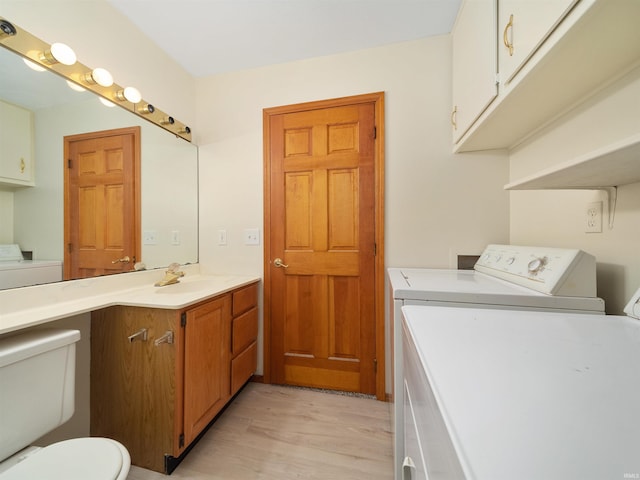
<point x="510" y="260"/>
<point x="536" y="265"/>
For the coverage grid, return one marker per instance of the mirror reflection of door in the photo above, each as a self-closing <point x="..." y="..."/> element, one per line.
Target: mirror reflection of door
<point x="101" y="202"/>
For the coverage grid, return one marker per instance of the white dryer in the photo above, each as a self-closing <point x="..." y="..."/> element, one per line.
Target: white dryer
<point x="506" y="277"/>
<point x="500" y="394"/>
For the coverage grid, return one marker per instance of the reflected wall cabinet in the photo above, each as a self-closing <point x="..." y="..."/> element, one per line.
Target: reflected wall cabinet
<point x="16" y="146"/>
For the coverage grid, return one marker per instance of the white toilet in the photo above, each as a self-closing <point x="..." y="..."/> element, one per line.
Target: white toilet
<point x="37" y="383"/>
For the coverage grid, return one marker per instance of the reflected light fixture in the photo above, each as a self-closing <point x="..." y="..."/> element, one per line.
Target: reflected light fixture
<point x="184" y="130"/>
<point x="130" y="94"/>
<point x="75" y="86"/>
<point x="106" y="102"/>
<point x="167" y="121"/>
<point x="98" y="76"/>
<point x="58" y="53"/>
<point x="33" y="66"/>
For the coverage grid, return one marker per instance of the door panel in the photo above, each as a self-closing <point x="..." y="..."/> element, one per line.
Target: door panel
<point x="322" y="210"/>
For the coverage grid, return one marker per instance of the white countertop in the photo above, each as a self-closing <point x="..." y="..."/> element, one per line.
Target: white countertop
<point x="25" y="307"/>
<point x="534" y="395"/>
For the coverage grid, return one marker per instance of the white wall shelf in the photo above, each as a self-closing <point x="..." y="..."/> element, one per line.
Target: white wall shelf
<point x="610" y="166"/>
<point x="603" y="169"/>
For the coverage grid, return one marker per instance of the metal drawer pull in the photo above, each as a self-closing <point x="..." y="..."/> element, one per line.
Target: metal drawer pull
<point x="166" y="338"/>
<point x="139" y="335"/>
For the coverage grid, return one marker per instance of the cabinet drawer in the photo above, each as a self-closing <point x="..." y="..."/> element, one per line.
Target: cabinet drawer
<point x="244" y="330"/>
<point x="243" y="366"/>
<point x="244" y="299"/>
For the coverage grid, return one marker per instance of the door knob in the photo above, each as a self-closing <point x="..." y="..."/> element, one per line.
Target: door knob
<point x="125" y="259"/>
<point x="278" y="263"/>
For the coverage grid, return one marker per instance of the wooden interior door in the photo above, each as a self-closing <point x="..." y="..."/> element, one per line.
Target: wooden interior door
<point x="102" y="202"/>
<point x="321" y="207"/>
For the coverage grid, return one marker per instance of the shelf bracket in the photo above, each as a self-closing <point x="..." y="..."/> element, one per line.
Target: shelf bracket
<point x="612" y="198"/>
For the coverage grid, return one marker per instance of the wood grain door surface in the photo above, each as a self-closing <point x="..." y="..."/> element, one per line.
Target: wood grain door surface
<point x="322" y="198"/>
<point x="102" y="217"/>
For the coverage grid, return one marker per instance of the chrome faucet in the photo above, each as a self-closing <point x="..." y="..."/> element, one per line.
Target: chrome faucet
<point x="171" y="276"/>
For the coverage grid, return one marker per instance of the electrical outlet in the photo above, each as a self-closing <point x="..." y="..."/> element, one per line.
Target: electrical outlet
<point x="150" y="237"/>
<point x="593" y="218"/>
<point x="252" y="236"/>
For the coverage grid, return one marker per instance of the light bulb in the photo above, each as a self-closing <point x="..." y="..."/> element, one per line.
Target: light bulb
<point x="75" y="86"/>
<point x="33" y="66"/>
<point x="59" y="53"/>
<point x="100" y="76"/>
<point x="130" y="94"/>
<point x="106" y="102"/>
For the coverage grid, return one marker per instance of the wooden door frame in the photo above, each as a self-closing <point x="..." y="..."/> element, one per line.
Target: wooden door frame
<point x="377" y="99"/>
<point x="137" y="156"/>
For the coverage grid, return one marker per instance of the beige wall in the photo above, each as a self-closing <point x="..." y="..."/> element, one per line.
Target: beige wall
<point x="557" y="218"/>
<point x="437" y="204"/>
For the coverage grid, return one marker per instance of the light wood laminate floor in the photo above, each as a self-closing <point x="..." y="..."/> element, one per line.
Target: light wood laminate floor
<point x="276" y="432"/>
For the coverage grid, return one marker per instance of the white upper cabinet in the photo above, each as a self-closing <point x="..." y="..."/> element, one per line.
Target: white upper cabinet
<point x="474" y="63"/>
<point x="523" y="26"/>
<point x="16" y="146"/>
<point x="563" y="52"/>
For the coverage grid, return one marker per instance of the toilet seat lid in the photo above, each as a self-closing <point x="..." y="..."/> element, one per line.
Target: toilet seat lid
<point x="77" y="459"/>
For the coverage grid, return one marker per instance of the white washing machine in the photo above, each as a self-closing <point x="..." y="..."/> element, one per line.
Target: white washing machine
<point x="505" y="276"/>
<point x="501" y="394"/>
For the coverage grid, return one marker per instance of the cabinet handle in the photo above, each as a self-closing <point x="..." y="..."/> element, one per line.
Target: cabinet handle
<point x="140" y="335"/>
<point x="408" y="467"/>
<point x="454" y="114"/>
<point x="22" y="165"/>
<point x="505" y="36"/>
<point x="166" y="338"/>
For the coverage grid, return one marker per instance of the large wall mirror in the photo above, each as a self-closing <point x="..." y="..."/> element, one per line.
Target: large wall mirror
<point x="33" y="216"/>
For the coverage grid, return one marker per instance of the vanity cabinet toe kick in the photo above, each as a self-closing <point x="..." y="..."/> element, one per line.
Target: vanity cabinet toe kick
<point x="159" y="377"/>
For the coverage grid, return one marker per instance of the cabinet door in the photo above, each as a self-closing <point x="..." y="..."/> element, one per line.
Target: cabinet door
<point x="523" y="26"/>
<point x="134" y="382"/>
<point x="474" y="63"/>
<point x="16" y="143"/>
<point x="206" y="363"/>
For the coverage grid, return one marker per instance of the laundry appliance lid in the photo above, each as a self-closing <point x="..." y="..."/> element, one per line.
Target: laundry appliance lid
<point x="539" y="394"/>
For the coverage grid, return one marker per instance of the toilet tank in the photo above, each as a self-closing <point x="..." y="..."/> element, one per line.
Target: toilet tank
<point x="37" y="385"/>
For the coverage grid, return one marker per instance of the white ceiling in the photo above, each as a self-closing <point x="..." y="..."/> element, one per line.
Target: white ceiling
<point x="208" y="37"/>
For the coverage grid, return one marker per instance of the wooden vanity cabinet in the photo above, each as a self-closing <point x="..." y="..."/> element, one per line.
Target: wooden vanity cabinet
<point x="244" y="336"/>
<point x="159" y="377"/>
